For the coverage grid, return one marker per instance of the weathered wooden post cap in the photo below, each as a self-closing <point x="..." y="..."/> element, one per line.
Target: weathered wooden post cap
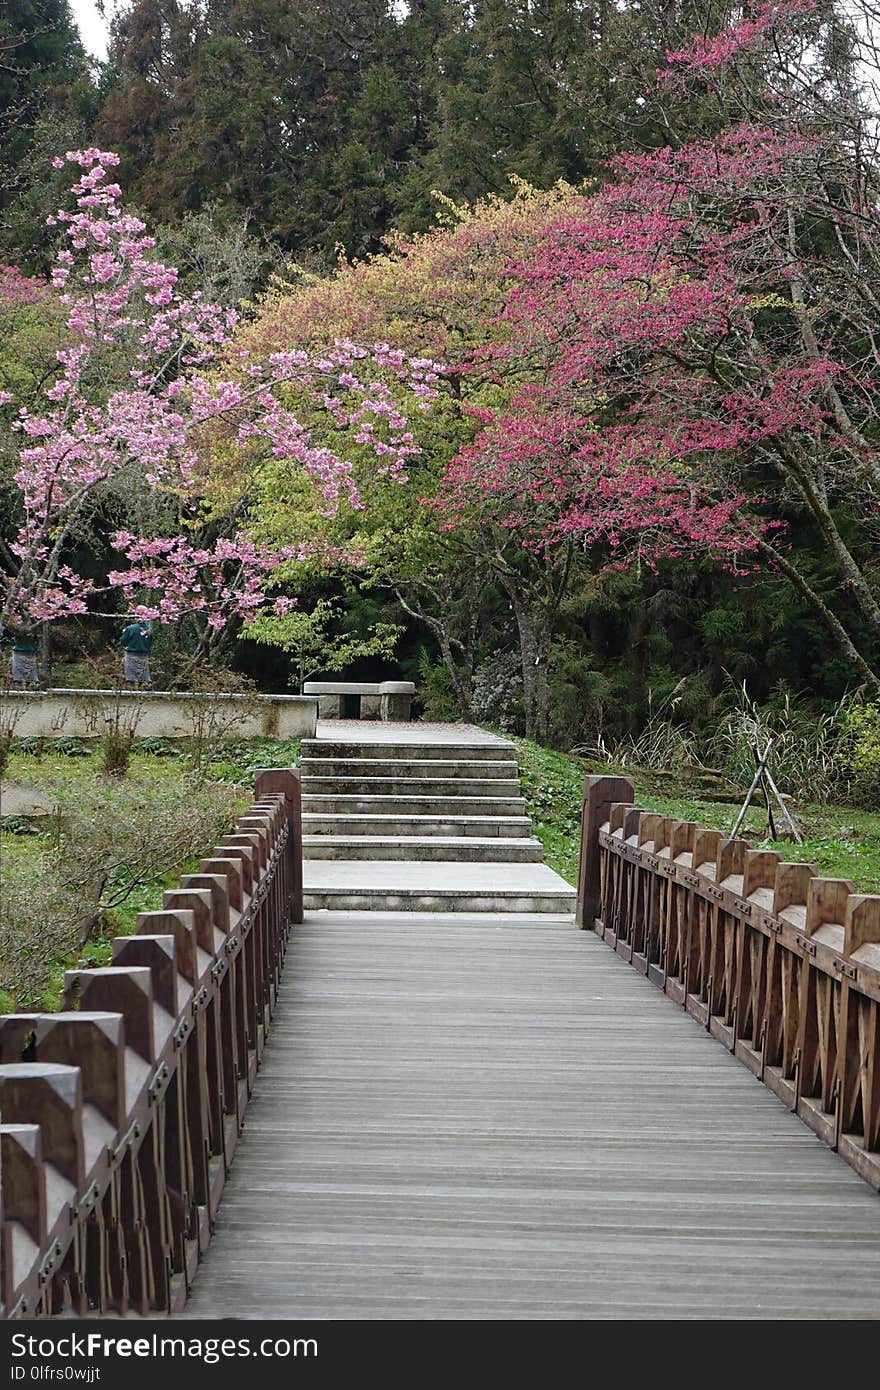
<point x="232" y="870"/>
<point x="759" y="873"/>
<point x="276" y="779"/>
<point x="192" y="901"/>
<point x="49" y="1095"/>
<point x="16" y="1032"/>
<point x="791" y="887"/>
<point x="181" y="924"/>
<point x="248" y="860"/>
<point x="827" y="900"/>
<point x="249" y="841"/>
<point x="862" y="926"/>
<point x="116" y="989"/>
<point x="217" y="886"/>
<point x="24" y="1180"/>
<point x="94" y="1042"/>
<point x="159" y="955"/>
<point x="706" y="844"/>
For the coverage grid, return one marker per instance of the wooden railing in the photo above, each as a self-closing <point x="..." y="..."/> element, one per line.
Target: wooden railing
<point x="783" y="967"/>
<point x="121" y="1114"/>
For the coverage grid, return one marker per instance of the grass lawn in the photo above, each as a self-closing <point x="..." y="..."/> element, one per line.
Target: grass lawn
<point x="60" y="768"/>
<point x="841" y="841"/>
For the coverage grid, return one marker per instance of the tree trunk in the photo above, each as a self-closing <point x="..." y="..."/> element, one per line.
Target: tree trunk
<point x="461" y="678"/>
<point x="460" y="672"/>
<point x="529" y="661"/>
<point x="45" y="656"/>
<point x="853" y="576"/>
<point x="542" y="685"/>
<point x="813" y="495"/>
<point x="842" y="638"/>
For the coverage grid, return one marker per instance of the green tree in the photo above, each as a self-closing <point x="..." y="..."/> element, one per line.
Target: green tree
<point x="46" y="89"/>
<point x="318" y="639"/>
<point x="41" y="59"/>
<point x="298" y="113"/>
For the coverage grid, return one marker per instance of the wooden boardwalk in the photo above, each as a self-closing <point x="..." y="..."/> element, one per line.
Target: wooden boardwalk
<point x="497" y="1118"/>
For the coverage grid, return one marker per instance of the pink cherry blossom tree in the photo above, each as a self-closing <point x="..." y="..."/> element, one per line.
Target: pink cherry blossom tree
<point x="137" y="387"/>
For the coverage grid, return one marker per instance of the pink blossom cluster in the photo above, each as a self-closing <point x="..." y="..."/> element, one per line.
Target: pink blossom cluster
<point x="547" y="475"/>
<point x="705" y="53"/>
<point x="169" y="576"/>
<point x="18" y="288"/>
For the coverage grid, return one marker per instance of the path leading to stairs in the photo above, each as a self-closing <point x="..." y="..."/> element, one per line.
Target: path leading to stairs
<point x="472" y="1117"/>
<point x="420" y="817"/>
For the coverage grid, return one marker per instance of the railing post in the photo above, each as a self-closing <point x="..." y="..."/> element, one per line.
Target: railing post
<point x="599" y="794"/>
<point x="287" y="780"/>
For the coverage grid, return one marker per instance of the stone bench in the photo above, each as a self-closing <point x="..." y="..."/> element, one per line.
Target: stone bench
<point x="385" y="700"/>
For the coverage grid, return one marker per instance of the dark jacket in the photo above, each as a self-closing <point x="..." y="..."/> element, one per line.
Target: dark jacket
<point x="135" y="639"/>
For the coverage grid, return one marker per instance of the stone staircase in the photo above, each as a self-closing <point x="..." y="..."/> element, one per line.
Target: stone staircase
<point x="416" y="824"/>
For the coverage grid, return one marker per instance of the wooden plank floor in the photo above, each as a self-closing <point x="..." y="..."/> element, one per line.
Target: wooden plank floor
<point x="494" y="1118"/>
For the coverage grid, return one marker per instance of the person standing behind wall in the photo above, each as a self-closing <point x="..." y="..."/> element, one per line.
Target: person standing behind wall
<point x="136" y="641"/>
<point x="25" y="662"/>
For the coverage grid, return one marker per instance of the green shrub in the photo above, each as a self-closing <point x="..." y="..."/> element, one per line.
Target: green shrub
<point x="5" y="749"/>
<point x="158" y="747"/>
<point x="435" y="690"/>
<point x="860" y="749"/>
<point x="237" y="763"/>
<point x="18" y="825"/>
<point x="71" y="747"/>
<point x="116" y="752"/>
<point x="107" y="841"/>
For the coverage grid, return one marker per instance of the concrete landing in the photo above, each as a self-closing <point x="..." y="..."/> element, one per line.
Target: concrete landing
<point x="435" y="886"/>
<point x="375" y="731"/>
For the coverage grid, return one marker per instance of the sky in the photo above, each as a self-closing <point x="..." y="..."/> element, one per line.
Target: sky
<point x="92" y="27"/>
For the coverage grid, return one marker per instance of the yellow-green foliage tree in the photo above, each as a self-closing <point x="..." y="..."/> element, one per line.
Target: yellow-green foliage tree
<point x="437" y="292"/>
<point x="33" y="332"/>
<point x="441" y="295"/>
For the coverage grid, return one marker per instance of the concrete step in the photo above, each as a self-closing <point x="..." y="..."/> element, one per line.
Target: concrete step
<point x="389" y="886"/>
<point x="422" y="848"/>
<point x="467" y="768"/>
<point x="480" y="806"/>
<point x="425" y="788"/>
<point x="481" y="752"/>
<point x="424" y="900"/>
<point x="509" y="827"/>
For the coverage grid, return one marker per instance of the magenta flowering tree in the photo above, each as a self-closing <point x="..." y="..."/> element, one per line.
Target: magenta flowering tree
<point x="548" y="498"/>
<point x="704" y="331"/>
<point x="136" y="391"/>
<point x="541" y="471"/>
<point x="18" y="288"/>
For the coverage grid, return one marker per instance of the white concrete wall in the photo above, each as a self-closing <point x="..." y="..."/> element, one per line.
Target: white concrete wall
<point x="159" y="714"/>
